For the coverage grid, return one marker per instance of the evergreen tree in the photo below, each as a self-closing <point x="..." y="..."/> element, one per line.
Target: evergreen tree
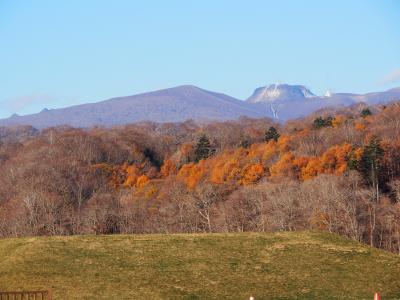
<point x="271" y="134"/>
<point x="245" y="143"/>
<point x="328" y="121"/>
<point x="371" y="165"/>
<point x="352" y="162"/>
<point x="203" y="148"/>
<point x="365" y="112"/>
<point x="321" y="122"/>
<point x="318" y="123"/>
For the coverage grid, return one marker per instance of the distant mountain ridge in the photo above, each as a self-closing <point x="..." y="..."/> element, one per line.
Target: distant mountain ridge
<point x="169" y="105"/>
<point x="178" y="104"/>
<point x="285" y="102"/>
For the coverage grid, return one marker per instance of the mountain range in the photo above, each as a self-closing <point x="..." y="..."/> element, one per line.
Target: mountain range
<point x="279" y="101"/>
<point x="285" y="102"/>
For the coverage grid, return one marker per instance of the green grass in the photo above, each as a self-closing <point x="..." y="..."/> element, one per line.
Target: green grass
<point x="301" y="265"/>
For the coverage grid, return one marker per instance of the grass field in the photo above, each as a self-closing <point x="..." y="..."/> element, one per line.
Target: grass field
<point x="301" y="265"/>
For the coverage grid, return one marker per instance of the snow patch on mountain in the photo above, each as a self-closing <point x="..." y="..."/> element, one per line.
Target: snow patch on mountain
<point x="280" y="92"/>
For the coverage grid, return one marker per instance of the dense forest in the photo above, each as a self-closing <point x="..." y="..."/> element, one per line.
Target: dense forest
<point x="335" y="170"/>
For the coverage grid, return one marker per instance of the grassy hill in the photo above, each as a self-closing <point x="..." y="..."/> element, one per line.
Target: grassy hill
<point x="301" y="265"/>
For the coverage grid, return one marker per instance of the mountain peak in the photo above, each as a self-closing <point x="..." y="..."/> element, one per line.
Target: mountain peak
<point x="280" y="92"/>
<point x="176" y="104"/>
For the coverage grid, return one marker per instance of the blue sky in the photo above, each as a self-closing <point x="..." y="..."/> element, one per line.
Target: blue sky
<point x="60" y="53"/>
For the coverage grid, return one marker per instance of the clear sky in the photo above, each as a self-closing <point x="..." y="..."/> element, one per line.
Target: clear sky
<point x="59" y="53"/>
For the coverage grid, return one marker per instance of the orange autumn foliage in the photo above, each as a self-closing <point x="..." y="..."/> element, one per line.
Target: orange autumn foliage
<point x="359" y="126"/>
<point x="192" y="173"/>
<point x="142" y="181"/>
<point x="358" y="153"/>
<point x="225" y="171"/>
<point x="168" y="168"/>
<point x="312" y="169"/>
<point x="132" y="174"/>
<point x="252" y="173"/>
<point x="338" y="120"/>
<point x="301" y="162"/>
<point x="332" y="161"/>
<point x="284" y="143"/>
<point x="217" y="174"/>
<point x="269" y="150"/>
<point x="284" y="167"/>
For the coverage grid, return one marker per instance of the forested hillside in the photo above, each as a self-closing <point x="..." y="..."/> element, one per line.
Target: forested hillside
<point x="336" y="170"/>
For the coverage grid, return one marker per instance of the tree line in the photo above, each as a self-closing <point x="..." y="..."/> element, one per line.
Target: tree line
<point x="335" y="170"/>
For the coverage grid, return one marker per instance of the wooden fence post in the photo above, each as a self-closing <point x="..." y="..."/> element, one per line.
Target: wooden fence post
<point x="50" y="294"/>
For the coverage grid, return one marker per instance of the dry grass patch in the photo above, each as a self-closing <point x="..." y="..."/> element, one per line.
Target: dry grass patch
<point x="297" y="265"/>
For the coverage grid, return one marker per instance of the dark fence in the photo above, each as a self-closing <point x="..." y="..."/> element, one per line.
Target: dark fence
<point x="27" y="295"/>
